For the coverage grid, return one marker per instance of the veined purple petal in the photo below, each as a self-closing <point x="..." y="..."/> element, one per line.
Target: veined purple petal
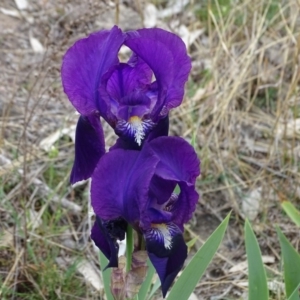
<point x="160" y="129"/>
<point x="134" y="104"/>
<point x="89" y="147"/>
<point x="120" y="184"/>
<point x="126" y="78"/>
<point x="84" y="65"/>
<point x="166" y="55"/>
<point x="167" y="252"/>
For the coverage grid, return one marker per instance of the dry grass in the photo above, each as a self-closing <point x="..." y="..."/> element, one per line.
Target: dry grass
<point x="242" y="107"/>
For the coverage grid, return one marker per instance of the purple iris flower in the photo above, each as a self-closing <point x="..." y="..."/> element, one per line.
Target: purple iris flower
<point x="133" y="97"/>
<point x="137" y="187"/>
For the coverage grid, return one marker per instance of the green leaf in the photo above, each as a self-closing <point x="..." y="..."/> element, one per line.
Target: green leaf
<point x="291" y="264"/>
<point x="295" y="294"/>
<point x="193" y="272"/>
<point x="258" y="286"/>
<point x="105" y="276"/>
<point x="145" y="288"/>
<point x="291" y="211"/>
<point x="155" y="287"/>
<point x="192" y="242"/>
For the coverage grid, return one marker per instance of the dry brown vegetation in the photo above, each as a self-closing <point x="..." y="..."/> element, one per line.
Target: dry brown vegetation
<point x="242" y="109"/>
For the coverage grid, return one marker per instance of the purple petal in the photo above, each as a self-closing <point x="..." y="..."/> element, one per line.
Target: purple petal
<point x="167" y="252"/>
<point x="161" y="129"/>
<point x="85" y="63"/>
<point x="166" y="55"/>
<point x="105" y="243"/>
<point x="120" y="184"/>
<point x="134" y="104"/>
<point x="178" y="159"/>
<point x="161" y="189"/>
<point x="126" y="144"/>
<point x="127" y="78"/>
<point x="89" y="147"/>
<point x="183" y="208"/>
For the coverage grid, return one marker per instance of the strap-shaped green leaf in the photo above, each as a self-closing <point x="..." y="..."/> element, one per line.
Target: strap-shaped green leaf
<point x="193" y="272"/>
<point x="291" y="264"/>
<point x="295" y="295"/>
<point x="105" y="276"/>
<point x="292" y="212"/>
<point x="258" y="287"/>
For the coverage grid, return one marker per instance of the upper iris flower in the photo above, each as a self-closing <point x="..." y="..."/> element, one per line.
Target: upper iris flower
<point x="137" y="187"/>
<point x="133" y="97"/>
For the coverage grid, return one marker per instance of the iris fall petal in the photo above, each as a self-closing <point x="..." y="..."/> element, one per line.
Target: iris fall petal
<point x="89" y="147"/>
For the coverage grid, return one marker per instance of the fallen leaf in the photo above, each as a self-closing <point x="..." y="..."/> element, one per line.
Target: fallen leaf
<point x="251" y="204"/>
<point x="36" y="45"/>
<point x="6" y="238"/>
<point x="10" y="12"/>
<point x="47" y="143"/>
<point x="150" y="15"/>
<point x="242" y="266"/>
<point x="174" y="7"/>
<point x="21" y="4"/>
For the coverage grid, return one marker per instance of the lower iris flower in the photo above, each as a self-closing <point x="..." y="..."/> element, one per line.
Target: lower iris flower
<point x="133" y="97"/>
<point x="137" y="187"/>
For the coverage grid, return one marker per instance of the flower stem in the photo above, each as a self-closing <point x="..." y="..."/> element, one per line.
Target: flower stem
<point x="129" y="247"/>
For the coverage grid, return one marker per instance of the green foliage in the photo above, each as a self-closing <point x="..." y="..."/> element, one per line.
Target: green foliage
<point x="105" y="275"/>
<point x="267" y="99"/>
<point x="291" y="211"/>
<point x="291" y="264"/>
<point x="193" y="272"/>
<point x="258" y="287"/>
<point x="219" y="8"/>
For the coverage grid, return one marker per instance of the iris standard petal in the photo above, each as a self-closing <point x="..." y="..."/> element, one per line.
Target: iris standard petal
<point x="84" y="65"/>
<point x="166" y="55"/>
<point x="178" y="159"/>
<point x="167" y="252"/>
<point x="89" y="147"/>
<point x="127" y="78"/>
<point x="161" y="189"/>
<point x="120" y="184"/>
<point x="183" y="205"/>
<point x="105" y="242"/>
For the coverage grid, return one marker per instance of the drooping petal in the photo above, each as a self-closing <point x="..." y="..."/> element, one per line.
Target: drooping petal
<point x="89" y="147"/>
<point x="120" y="183"/>
<point x="167" y="252"/>
<point x="107" y="242"/>
<point x="166" y="55"/>
<point x="161" y="129"/>
<point x="85" y="63"/>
